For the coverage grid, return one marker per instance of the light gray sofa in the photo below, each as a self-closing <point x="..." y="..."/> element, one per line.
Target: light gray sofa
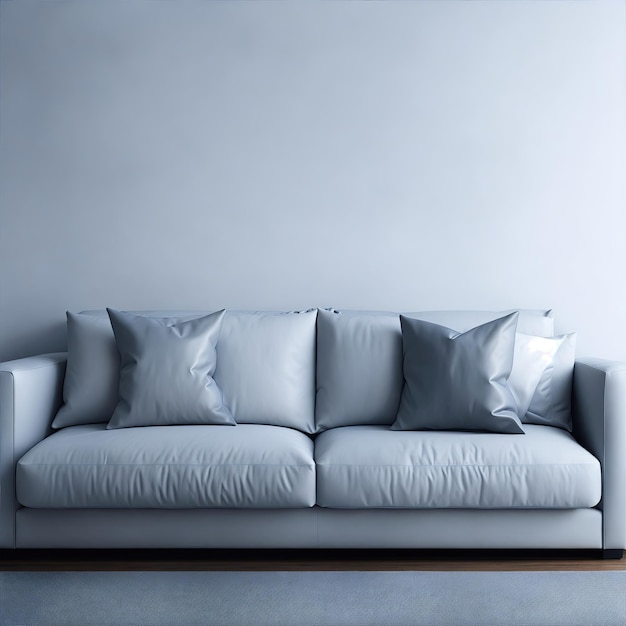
<point x="316" y="459"/>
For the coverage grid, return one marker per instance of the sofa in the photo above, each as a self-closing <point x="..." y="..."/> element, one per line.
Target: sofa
<point x="313" y="429"/>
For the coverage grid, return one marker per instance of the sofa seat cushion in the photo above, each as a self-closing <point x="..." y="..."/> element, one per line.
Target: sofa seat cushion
<point x="373" y="466"/>
<point x="165" y="467"/>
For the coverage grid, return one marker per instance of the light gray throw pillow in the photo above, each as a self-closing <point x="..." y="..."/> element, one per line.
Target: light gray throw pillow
<point x="458" y="381"/>
<point x="166" y="371"/>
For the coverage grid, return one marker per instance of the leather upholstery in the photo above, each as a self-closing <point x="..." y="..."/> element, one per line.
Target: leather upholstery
<point x="31" y="393"/>
<point x="361" y="467"/>
<point x="309" y="528"/>
<point x="164" y="467"/>
<point x="599" y="411"/>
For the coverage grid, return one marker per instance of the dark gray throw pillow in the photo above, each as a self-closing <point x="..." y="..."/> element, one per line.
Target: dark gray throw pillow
<point x="458" y="381"/>
<point x="166" y="371"/>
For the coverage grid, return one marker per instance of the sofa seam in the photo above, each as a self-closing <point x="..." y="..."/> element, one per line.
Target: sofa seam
<point x="53" y="361"/>
<point x="13" y="459"/>
<point x="459" y="465"/>
<point x="163" y="465"/>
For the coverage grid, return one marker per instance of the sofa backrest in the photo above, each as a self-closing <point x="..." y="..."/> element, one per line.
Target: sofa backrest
<point x="310" y="370"/>
<point x="359" y="359"/>
<point x="265" y="367"/>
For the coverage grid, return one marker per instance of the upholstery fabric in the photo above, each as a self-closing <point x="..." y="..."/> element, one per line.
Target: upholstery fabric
<point x="166" y="371"/>
<point x="373" y="466"/>
<point x="359" y="359"/>
<point x="249" y="466"/>
<point x="458" y="381"/>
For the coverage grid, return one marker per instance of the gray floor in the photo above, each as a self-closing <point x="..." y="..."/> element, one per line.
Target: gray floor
<point x="319" y="598"/>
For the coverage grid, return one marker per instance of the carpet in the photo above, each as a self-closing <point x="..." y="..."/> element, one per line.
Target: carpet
<point x="315" y="598"/>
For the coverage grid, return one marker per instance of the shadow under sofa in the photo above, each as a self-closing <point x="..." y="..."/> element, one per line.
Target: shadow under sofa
<point x="312" y="461"/>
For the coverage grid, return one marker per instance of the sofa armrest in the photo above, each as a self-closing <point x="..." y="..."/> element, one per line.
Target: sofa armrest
<point x="31" y="392"/>
<point x="599" y="417"/>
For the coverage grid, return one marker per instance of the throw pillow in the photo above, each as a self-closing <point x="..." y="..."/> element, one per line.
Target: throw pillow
<point x="458" y="381"/>
<point x="166" y="371"/>
<point x="531" y="357"/>
<point x="552" y="403"/>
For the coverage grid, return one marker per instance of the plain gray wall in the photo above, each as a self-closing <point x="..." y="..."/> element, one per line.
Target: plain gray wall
<point x="283" y="155"/>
